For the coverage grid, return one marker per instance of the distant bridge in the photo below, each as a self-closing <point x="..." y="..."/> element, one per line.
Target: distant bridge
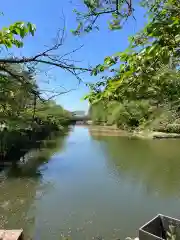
<point x="79" y="118"/>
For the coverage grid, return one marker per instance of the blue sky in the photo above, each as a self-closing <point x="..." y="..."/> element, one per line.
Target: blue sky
<point x="47" y="16"/>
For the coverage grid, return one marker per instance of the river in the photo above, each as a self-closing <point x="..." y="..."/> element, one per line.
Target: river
<point x="83" y="187"/>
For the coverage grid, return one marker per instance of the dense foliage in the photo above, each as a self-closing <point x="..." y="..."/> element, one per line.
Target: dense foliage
<point x="20" y="99"/>
<point x="21" y="104"/>
<point x="146" y="86"/>
<point x="25" y="116"/>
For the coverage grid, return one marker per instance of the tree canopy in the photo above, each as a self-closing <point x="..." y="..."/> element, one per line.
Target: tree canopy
<point x="21" y="101"/>
<point x="149" y="68"/>
<point x="21" y="104"/>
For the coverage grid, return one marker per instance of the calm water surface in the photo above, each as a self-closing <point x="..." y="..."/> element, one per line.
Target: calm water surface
<point x="85" y="186"/>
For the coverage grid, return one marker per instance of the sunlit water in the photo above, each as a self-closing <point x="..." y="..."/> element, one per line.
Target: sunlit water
<point x="85" y="186"/>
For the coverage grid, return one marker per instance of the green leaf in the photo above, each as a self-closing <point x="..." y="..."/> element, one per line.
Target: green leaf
<point x="18" y="43"/>
<point x="23" y="32"/>
<point x="32" y="28"/>
<point x="7" y="43"/>
<point x="177" y="38"/>
<point x="107" y="60"/>
<point x="15" y="31"/>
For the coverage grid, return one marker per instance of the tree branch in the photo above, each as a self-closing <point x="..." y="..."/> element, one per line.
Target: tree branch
<point x="60" y="93"/>
<point x="50" y="56"/>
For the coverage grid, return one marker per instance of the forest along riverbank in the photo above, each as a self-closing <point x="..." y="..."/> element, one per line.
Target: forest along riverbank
<point x="85" y="186"/>
<point x="26" y="118"/>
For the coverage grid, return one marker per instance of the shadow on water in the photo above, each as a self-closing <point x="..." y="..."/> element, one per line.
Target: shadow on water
<point x="29" y="165"/>
<point x="155" y="164"/>
<point x="20" y="186"/>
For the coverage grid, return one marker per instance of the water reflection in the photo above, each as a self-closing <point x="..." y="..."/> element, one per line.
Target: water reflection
<point x="21" y="185"/>
<point x="155" y="164"/>
<point x="87" y="187"/>
<point x="30" y="165"/>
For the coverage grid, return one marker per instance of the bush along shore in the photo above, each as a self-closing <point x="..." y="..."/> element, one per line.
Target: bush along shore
<point x="25" y="117"/>
<point x="135" y="122"/>
<point x="14" y="144"/>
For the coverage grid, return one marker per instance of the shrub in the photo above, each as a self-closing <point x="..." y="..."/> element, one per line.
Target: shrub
<point x="162" y="119"/>
<point x="124" y="115"/>
<point x="173" y="128"/>
<point x="118" y="116"/>
<point x="131" y="114"/>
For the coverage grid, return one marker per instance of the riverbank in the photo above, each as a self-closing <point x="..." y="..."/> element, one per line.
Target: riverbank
<point x="114" y="131"/>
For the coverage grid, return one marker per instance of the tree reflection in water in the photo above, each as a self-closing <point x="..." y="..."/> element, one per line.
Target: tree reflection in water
<point x="155" y="164"/>
<point x="21" y="185"/>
